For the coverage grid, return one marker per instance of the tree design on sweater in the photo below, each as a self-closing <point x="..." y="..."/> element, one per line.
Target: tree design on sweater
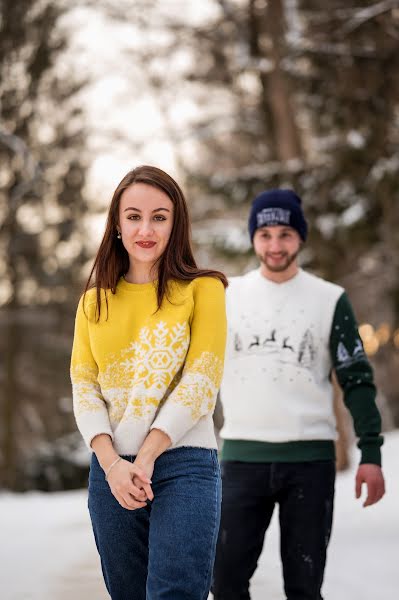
<point x="345" y="358"/>
<point x="302" y="354"/>
<point x="307" y="350"/>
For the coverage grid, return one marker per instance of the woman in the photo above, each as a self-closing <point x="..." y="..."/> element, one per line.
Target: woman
<point x="146" y="365"/>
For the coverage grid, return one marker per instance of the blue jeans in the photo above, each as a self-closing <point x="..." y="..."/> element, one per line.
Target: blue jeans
<point x="166" y="550"/>
<point x="305" y="495"/>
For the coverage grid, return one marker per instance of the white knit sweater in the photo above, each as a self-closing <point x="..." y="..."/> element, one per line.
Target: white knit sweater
<point x="276" y="385"/>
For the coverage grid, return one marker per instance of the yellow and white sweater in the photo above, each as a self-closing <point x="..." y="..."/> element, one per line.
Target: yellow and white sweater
<point x="139" y="368"/>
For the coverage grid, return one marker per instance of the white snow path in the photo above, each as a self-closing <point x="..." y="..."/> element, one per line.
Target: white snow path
<point x="47" y="550"/>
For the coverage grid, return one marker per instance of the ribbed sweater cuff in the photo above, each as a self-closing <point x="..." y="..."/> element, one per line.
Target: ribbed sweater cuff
<point x="370" y="453"/>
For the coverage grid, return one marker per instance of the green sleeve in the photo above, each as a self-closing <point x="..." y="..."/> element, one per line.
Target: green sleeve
<point x="355" y="376"/>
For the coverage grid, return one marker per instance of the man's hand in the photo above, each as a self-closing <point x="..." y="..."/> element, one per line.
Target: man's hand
<point x="372" y="476"/>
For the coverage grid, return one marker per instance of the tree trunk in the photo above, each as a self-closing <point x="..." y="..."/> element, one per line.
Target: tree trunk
<point x="9" y="410"/>
<point x="266" y="28"/>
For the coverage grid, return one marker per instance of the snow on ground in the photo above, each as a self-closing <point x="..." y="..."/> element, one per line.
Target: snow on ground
<point x="47" y="550"/>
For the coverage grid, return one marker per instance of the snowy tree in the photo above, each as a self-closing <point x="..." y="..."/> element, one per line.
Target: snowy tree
<point x="42" y="174"/>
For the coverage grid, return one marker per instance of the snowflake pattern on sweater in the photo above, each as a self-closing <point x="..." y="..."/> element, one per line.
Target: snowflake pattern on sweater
<point x="127" y="379"/>
<point x="135" y="381"/>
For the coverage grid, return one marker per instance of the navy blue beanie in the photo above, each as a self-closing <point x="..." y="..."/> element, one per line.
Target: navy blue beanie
<point x="277" y="207"/>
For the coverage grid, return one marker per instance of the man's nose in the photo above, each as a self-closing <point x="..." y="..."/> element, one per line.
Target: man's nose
<point x="274" y="245"/>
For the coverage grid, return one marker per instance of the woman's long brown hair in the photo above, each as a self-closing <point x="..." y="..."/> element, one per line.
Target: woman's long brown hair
<point x="176" y="263"/>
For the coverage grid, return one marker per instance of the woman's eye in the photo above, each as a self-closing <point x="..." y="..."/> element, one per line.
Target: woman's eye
<point x="138" y="217"/>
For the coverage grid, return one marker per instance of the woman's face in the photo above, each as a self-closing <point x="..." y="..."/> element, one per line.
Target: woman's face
<point x="145" y="222"/>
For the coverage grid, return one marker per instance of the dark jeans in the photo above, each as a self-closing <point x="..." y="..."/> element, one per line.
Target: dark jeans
<point x="166" y="550"/>
<point x="305" y="494"/>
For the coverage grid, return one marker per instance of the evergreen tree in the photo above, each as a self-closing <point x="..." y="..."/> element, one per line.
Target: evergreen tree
<point x="42" y="173"/>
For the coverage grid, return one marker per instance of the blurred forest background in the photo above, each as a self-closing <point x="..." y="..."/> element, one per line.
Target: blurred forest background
<point x="248" y="94"/>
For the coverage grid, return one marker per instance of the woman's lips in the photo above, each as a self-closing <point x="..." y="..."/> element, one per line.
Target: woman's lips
<point x="146" y="244"/>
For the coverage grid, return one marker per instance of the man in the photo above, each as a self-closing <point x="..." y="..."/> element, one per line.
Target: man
<point x="287" y="331"/>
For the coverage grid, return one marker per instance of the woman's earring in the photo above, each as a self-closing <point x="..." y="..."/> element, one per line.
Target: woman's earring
<point x="119" y="235"/>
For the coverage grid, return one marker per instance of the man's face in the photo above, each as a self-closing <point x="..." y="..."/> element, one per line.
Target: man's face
<point x="277" y="246"/>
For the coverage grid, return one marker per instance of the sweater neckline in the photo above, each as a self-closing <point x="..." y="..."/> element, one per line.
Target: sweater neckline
<point x="284" y="284"/>
<point x="126" y="286"/>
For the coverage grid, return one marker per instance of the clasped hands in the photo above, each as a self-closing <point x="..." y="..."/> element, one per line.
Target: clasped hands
<point x="130" y="483"/>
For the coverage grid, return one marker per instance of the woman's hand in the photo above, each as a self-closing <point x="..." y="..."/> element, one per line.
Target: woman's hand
<point x="129" y="482"/>
<point x="146" y="465"/>
<point x="153" y="446"/>
<point x="130" y="485"/>
<point x="120" y="475"/>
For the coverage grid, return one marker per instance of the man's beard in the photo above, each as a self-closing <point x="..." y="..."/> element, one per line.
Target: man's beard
<point x="285" y="262"/>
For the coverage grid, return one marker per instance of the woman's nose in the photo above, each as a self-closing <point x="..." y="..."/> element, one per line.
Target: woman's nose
<point x="146" y="227"/>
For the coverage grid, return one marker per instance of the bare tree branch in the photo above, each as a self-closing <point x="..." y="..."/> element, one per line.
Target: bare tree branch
<point x="366" y="14"/>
